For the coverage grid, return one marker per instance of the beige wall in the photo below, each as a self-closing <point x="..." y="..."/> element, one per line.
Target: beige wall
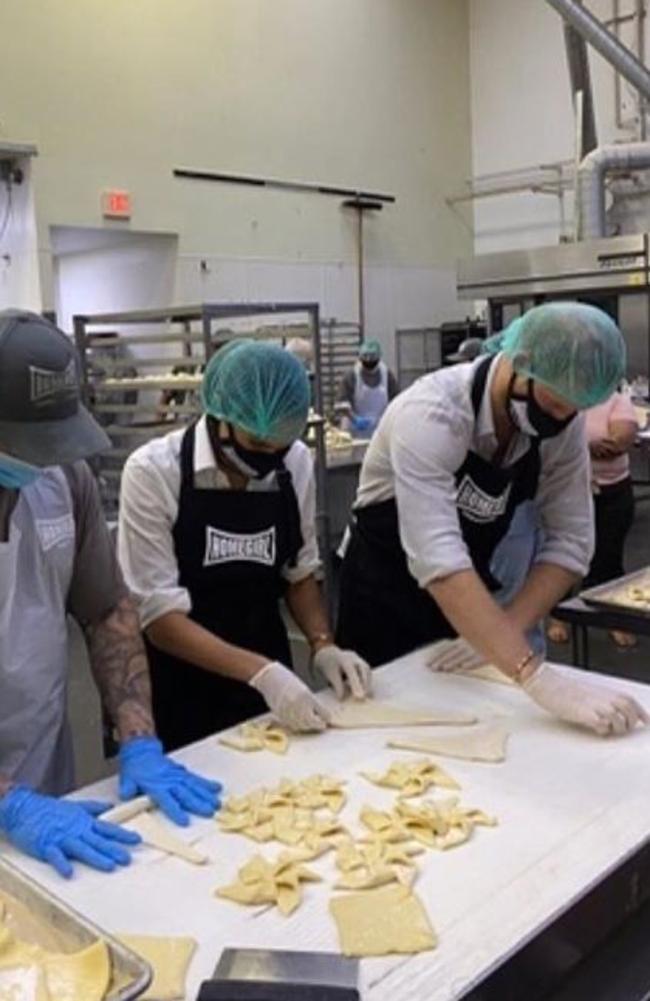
<point x="368" y="93"/>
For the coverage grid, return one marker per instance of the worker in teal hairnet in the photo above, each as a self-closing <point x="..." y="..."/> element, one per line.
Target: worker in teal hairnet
<point x="367" y="388"/>
<point x="454" y="458"/>
<point x="217" y="523"/>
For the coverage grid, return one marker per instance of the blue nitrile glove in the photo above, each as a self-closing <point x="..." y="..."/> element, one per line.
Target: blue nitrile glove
<point x="57" y="830"/>
<point x="144" y="768"/>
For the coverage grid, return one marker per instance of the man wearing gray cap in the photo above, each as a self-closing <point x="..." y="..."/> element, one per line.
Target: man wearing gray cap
<point x="56" y="558"/>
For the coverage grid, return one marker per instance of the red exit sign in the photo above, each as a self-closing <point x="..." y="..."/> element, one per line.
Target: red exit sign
<point x="116" y="204"/>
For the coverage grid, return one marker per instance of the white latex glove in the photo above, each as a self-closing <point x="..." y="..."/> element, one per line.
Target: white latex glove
<point x="454" y="655"/>
<point x="289" y="699"/>
<point x="601" y="709"/>
<point x="344" y="667"/>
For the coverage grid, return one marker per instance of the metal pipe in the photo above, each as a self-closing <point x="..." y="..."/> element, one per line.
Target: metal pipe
<point x="640" y="44"/>
<point x="580" y="78"/>
<point x="590" y="183"/>
<point x="610" y="48"/>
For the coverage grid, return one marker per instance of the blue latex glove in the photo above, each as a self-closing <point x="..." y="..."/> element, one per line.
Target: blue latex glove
<point x="144" y="768"/>
<point x="58" y="830"/>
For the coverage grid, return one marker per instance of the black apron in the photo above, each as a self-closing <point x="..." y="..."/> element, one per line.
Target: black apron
<point x="230" y="546"/>
<point x="383" y="612"/>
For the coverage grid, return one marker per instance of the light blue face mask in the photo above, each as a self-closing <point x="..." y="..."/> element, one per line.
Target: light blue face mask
<point x="15" y="474"/>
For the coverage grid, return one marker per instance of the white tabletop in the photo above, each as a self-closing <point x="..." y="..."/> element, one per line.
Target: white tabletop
<point x="571" y="808"/>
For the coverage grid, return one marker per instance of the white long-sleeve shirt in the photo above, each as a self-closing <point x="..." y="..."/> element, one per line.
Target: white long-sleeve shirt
<point x="422" y="440"/>
<point x="150" y="490"/>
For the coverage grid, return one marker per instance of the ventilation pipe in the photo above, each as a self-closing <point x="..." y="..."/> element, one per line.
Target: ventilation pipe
<point x="590" y="179"/>
<point x="580" y="78"/>
<point x="610" y="48"/>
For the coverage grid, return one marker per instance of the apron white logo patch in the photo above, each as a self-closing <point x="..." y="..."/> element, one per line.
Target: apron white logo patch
<point x="44" y="383"/>
<point x="55" y="531"/>
<point x="231" y="547"/>
<point x="478" y="506"/>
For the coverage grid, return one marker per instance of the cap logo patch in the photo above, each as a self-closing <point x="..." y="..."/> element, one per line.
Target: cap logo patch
<point x="43" y="383"/>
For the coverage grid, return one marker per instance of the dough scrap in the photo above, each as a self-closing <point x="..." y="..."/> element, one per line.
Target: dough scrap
<point x="381" y="922"/>
<point x="412" y="778"/>
<point x="155" y="834"/>
<point x="56" y="976"/>
<point x="169" y="957"/>
<point x="360" y="715"/>
<point x="486" y="743"/>
<point x="265" y="736"/>
<point x="262" y="882"/>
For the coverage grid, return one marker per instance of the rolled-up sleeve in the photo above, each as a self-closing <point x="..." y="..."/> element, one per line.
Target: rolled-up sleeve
<point x="145" y="542"/>
<point x="428" y="445"/>
<point x="304" y="483"/>
<point x="564" y="502"/>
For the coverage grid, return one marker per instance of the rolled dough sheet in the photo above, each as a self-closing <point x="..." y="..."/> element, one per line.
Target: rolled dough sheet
<point x="488" y="672"/>
<point x="169" y="957"/>
<point x="380" y="922"/>
<point x="126" y="811"/>
<point x="153" y="833"/>
<point x="362" y="715"/>
<point x="487" y="743"/>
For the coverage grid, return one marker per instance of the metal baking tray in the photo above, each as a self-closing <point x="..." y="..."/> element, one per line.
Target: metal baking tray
<point x="131" y="975"/>
<point x="613" y="595"/>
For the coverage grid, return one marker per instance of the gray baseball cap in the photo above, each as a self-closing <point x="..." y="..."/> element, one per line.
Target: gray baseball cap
<point x="42" y="419"/>
<point x="468" y="350"/>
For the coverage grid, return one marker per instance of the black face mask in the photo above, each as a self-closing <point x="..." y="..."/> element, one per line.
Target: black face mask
<point x="252" y="463"/>
<point x="529" y="417"/>
<point x="369" y="364"/>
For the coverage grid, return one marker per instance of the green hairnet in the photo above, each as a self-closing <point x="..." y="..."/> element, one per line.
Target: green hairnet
<point x="259" y="387"/>
<point x="575" y="350"/>
<point x="370" y="349"/>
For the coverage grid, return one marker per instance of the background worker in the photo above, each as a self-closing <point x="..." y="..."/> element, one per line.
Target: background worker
<point x="452" y="460"/>
<point x="368" y="387"/>
<point x="611" y="432"/>
<point x="217" y="524"/>
<point x="56" y="558"/>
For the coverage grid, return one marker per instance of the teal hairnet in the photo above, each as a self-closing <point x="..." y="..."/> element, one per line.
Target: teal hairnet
<point x="259" y="387"/>
<point x="370" y="349"/>
<point x="575" y="350"/>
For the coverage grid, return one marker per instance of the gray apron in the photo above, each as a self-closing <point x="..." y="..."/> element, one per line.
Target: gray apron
<point x="36" y="566"/>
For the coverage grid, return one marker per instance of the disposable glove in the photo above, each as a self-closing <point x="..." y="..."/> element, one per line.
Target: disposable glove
<point x="598" y="708"/>
<point x="343" y="668"/>
<point x="58" y="830"/>
<point x="144" y="768"/>
<point x="454" y="656"/>
<point x="289" y="699"/>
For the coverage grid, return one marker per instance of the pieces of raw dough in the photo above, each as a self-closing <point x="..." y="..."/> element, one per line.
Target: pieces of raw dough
<point x="412" y="778"/>
<point x="367" y="864"/>
<point x="288" y="814"/>
<point x="265" y="736"/>
<point x="437" y="825"/>
<point x="360" y="715"/>
<point x="155" y="834"/>
<point x="57" y="976"/>
<point x="381" y="922"/>
<point x="264" y="882"/>
<point x="169" y="957"/>
<point x="487" y="743"/>
<point x="488" y="672"/>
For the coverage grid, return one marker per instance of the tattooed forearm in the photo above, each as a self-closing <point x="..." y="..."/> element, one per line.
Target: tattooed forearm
<point x="5" y="784"/>
<point x="120" y="668"/>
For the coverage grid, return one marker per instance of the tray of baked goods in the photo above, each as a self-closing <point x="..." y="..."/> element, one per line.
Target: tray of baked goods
<point x="630" y="593"/>
<point x="48" y="950"/>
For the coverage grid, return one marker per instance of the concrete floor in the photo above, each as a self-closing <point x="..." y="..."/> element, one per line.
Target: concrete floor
<point x="84" y="704"/>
